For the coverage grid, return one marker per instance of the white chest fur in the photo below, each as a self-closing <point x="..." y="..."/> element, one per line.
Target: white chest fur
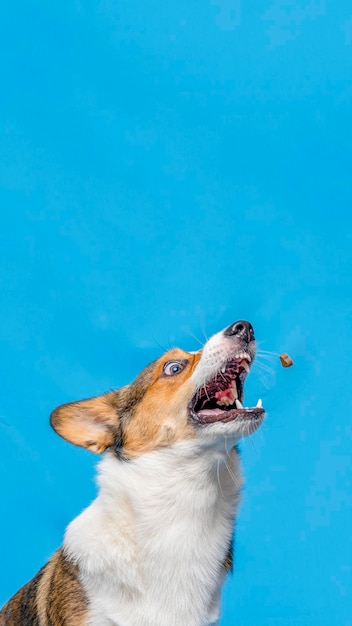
<point x="151" y="547"/>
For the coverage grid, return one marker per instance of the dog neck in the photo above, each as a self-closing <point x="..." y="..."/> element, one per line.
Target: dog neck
<point x="174" y="507"/>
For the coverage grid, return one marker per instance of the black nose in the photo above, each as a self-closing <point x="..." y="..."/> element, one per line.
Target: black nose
<point x="242" y="330"/>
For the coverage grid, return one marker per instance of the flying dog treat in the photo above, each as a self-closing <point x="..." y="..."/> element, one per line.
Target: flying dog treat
<point x="286" y="360"/>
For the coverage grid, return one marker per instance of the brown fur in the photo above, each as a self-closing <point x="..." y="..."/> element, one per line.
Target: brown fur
<point x="161" y="418"/>
<point x="149" y="413"/>
<point x="89" y="423"/>
<point x="54" y="597"/>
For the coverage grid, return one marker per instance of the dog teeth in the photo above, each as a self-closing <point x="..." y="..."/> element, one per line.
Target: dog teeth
<point x="234" y="390"/>
<point x="242" y="354"/>
<point x="245" y="365"/>
<point x="225" y="401"/>
<point x="231" y="397"/>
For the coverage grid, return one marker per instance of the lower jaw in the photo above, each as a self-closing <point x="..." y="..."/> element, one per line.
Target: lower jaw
<point x="249" y="415"/>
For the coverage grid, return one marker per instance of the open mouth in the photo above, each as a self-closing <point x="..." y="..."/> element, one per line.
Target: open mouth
<point x="220" y="399"/>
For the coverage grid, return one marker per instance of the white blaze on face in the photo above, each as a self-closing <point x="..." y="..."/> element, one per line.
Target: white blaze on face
<point x="219" y="379"/>
<point x="215" y="353"/>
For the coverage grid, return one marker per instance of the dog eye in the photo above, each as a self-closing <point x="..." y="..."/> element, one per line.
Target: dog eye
<point x="173" y="367"/>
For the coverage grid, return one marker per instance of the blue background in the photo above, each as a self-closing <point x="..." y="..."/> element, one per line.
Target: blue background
<point x="166" y="169"/>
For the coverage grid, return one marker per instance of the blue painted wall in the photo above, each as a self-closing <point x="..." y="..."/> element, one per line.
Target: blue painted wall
<point x="167" y="168"/>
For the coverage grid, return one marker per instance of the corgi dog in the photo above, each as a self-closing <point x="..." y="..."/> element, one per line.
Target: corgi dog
<point x="154" y="547"/>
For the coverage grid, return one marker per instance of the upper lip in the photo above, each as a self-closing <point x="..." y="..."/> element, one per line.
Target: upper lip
<point x="220" y="398"/>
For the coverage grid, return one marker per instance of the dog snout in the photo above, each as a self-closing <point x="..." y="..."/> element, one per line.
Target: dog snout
<point x="241" y="330"/>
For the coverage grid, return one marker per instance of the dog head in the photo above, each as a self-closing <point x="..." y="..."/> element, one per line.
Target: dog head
<point x="180" y="396"/>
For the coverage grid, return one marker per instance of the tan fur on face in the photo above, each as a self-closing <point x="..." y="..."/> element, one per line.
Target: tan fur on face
<point x="161" y="418"/>
<point x="149" y="413"/>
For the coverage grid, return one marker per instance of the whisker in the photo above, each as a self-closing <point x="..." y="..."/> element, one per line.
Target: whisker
<point x="263" y="366"/>
<point x="251" y="442"/>
<point x="266" y="357"/>
<point x="267" y="366"/>
<point x="219" y="481"/>
<point x="161" y="346"/>
<point x="264" y="370"/>
<point x="265" y="375"/>
<point x="195" y="337"/>
<point x="206" y="392"/>
<point x="267" y="378"/>
<point x="234" y="478"/>
<point x="204" y="334"/>
<point x="269" y="353"/>
<point x="247" y="439"/>
<point x="194" y="366"/>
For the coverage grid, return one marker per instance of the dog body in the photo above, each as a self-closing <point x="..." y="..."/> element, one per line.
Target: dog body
<point x="154" y="547"/>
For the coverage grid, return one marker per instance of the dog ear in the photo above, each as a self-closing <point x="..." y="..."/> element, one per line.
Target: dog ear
<point x="93" y="424"/>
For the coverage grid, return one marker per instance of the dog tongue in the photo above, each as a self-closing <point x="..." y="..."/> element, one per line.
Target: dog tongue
<point x="211" y="412"/>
